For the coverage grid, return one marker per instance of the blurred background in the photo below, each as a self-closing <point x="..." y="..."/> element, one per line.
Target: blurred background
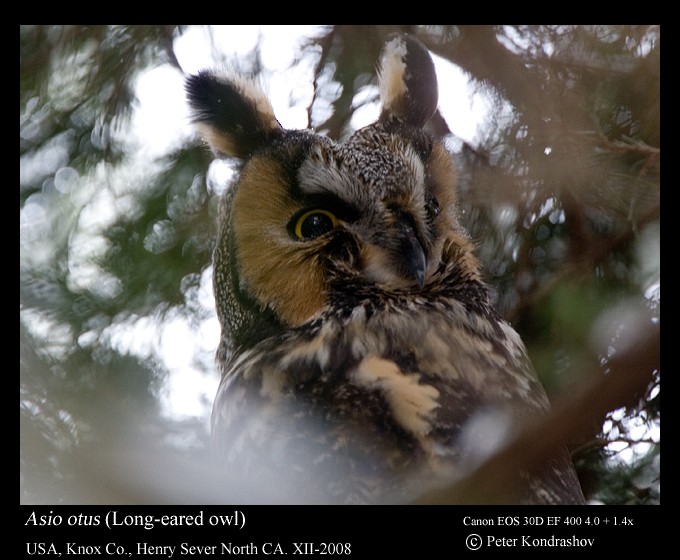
<point x="556" y="131"/>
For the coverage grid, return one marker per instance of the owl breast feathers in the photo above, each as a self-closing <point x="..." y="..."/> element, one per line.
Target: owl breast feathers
<point x="361" y="360"/>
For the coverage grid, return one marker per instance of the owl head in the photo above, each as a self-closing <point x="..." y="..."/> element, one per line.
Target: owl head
<point x="312" y="224"/>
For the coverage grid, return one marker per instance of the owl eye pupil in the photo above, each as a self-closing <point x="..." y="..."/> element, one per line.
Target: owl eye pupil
<point x="314" y="223"/>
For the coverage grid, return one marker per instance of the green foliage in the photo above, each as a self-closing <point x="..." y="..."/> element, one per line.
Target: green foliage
<point x="559" y="189"/>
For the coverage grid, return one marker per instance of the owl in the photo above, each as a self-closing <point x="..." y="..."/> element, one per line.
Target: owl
<point x="361" y="359"/>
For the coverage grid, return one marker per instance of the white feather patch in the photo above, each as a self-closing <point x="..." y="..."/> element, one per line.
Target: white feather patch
<point x="392" y="69"/>
<point x="411" y="402"/>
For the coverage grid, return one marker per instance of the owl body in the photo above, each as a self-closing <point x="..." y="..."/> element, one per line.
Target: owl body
<point x="361" y="358"/>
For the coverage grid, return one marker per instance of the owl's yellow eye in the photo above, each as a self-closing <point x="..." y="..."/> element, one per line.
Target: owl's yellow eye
<point x="314" y="223"/>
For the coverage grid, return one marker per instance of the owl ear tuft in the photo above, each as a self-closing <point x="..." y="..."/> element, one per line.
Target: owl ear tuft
<point x="408" y="82"/>
<point x="233" y="115"/>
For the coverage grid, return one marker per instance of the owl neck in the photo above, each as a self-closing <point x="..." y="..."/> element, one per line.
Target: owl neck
<point x="446" y="287"/>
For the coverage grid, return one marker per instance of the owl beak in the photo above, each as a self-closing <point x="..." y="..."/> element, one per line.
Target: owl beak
<point x="412" y="257"/>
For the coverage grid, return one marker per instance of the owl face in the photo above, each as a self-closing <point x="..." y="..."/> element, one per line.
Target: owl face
<point x="310" y="217"/>
<point x="375" y="211"/>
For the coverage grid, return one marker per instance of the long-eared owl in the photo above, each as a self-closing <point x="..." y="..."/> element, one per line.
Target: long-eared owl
<point x="361" y="359"/>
